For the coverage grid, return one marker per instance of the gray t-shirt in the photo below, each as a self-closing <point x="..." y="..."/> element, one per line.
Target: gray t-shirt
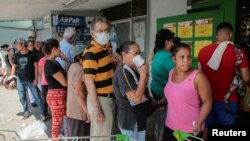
<point x="129" y="113"/>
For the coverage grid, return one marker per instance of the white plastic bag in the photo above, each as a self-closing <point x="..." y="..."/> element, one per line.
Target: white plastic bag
<point x="35" y="129"/>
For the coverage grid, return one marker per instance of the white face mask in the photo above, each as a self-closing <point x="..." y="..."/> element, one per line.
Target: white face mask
<point x="138" y="61"/>
<point x="102" y="38"/>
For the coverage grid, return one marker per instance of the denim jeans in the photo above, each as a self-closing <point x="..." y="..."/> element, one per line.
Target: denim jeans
<point x="22" y="87"/>
<point x="137" y="135"/>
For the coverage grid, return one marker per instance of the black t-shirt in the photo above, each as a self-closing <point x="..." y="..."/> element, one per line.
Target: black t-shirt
<point x="50" y="68"/>
<point x="129" y="112"/>
<point x="25" y="69"/>
<point x="39" y="54"/>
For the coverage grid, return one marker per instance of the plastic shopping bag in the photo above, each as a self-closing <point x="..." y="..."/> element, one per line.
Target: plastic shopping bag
<point x="35" y="129"/>
<point x="160" y="125"/>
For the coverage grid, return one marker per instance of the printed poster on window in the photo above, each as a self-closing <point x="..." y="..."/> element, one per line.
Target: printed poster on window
<point x="185" y="29"/>
<point x="170" y="26"/>
<point x="204" y="27"/>
<point x="198" y="45"/>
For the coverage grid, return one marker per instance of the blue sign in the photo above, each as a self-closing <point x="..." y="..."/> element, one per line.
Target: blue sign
<point x="66" y="20"/>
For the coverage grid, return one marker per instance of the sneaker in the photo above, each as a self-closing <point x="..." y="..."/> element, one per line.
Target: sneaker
<point x="26" y="114"/>
<point x="34" y="104"/>
<point x="43" y="118"/>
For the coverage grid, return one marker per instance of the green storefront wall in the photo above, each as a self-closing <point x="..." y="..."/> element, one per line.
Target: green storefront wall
<point x="226" y="10"/>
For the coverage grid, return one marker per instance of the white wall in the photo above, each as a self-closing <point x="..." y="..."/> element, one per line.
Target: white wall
<point x="9" y="31"/>
<point x="161" y="9"/>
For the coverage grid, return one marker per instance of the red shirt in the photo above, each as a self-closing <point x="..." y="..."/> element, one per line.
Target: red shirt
<point x="221" y="79"/>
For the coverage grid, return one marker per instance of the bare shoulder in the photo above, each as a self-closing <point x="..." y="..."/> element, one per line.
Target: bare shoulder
<point x="200" y="76"/>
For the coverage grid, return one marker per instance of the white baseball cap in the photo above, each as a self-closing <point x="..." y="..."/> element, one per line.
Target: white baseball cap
<point x="76" y="50"/>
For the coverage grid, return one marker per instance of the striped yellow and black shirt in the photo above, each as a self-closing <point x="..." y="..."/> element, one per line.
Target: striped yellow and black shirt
<point x="97" y="64"/>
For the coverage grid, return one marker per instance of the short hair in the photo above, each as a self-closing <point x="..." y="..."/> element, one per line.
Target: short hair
<point x="225" y="25"/>
<point x="5" y="46"/>
<point x="69" y="32"/>
<point x="31" y="37"/>
<point x="21" y="41"/>
<point x="99" y="19"/>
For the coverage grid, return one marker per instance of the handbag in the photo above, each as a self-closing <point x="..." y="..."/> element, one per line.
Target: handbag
<point x="237" y="83"/>
<point x="150" y="103"/>
<point x="159" y="128"/>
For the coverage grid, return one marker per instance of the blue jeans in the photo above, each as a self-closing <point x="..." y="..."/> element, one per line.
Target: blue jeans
<point x="219" y="116"/>
<point x="137" y="135"/>
<point x="22" y="87"/>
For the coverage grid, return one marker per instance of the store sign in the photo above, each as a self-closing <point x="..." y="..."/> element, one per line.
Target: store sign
<point x="65" y="20"/>
<point x="47" y="21"/>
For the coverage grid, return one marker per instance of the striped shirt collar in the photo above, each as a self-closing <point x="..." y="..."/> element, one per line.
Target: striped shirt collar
<point x="95" y="44"/>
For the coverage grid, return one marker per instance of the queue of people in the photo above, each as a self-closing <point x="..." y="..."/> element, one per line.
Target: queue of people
<point x="82" y="87"/>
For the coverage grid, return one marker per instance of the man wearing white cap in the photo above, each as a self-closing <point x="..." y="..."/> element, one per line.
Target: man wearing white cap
<point x="65" y="46"/>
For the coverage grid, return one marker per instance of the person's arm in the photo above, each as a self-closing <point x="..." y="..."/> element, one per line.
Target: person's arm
<point x="90" y="68"/>
<point x="245" y="75"/>
<point x="60" y="78"/>
<point x="13" y="69"/>
<point x="13" y="72"/>
<point x="40" y="68"/>
<point x="204" y="90"/>
<point x="81" y="98"/>
<point x="244" y="67"/>
<point x="100" y="118"/>
<point x="11" y="57"/>
<point x="36" y="74"/>
<point x="13" y="65"/>
<point x="137" y="95"/>
<point x="199" y="66"/>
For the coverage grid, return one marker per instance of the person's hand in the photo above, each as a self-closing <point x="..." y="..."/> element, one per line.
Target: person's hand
<point x="196" y="128"/>
<point x="63" y="57"/>
<point x="35" y="82"/>
<point x="87" y="118"/>
<point x="162" y="103"/>
<point x="12" y="85"/>
<point x="98" y="113"/>
<point x="143" y="70"/>
<point x="115" y="59"/>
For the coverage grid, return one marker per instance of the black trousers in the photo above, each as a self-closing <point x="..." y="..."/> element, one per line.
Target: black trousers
<point x="44" y="100"/>
<point x="77" y="128"/>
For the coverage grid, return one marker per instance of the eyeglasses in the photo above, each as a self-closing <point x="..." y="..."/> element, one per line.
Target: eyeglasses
<point x="102" y="30"/>
<point x="134" y="53"/>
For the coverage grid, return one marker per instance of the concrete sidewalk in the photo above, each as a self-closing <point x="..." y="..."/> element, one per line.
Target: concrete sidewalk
<point x="11" y="115"/>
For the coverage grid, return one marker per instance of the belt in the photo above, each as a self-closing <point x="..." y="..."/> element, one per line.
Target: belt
<point x="109" y="95"/>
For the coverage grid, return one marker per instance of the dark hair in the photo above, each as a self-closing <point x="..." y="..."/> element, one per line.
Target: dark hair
<point x="178" y="46"/>
<point x="29" y="41"/>
<point x="5" y="46"/>
<point x="77" y="58"/>
<point x="224" y="25"/>
<point x="31" y="37"/>
<point x="161" y="37"/>
<point x="125" y="46"/>
<point x="99" y="19"/>
<point x="21" y="41"/>
<point x="49" y="45"/>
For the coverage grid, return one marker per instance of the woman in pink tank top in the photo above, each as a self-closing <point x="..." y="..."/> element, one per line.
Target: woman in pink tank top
<point x="188" y="94"/>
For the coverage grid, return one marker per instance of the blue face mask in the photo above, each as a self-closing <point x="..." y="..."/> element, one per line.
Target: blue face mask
<point x="102" y="38"/>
